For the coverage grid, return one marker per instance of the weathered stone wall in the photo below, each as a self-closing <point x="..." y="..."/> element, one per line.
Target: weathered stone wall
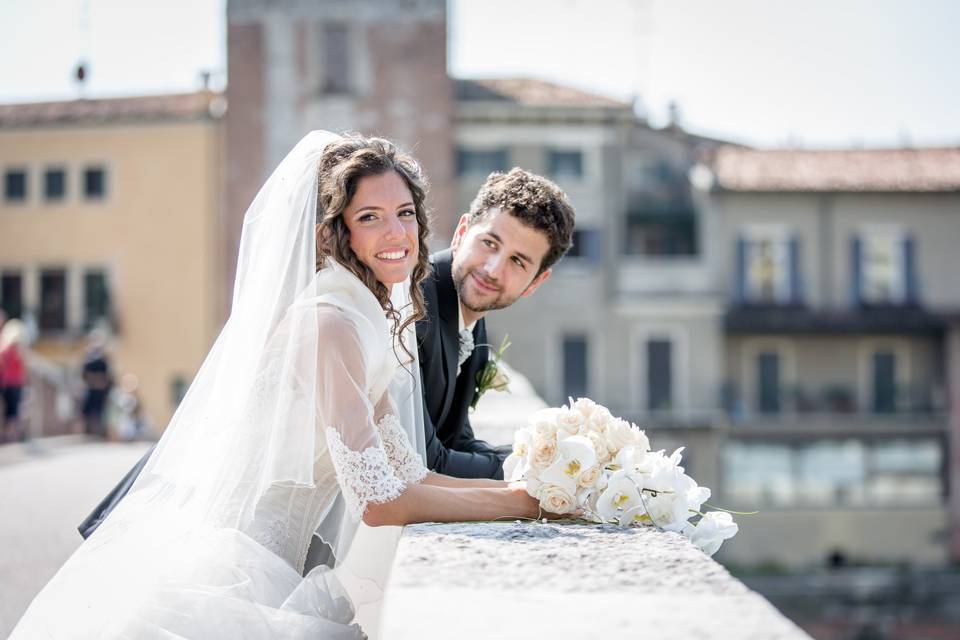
<point x="534" y="580"/>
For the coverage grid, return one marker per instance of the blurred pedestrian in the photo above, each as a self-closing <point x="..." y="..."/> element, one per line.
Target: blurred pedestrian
<point x="97" y="380"/>
<point x="13" y="377"/>
<point x="125" y="411"/>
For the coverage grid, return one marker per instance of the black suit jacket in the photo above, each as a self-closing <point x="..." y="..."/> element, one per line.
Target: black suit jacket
<point x="452" y="449"/>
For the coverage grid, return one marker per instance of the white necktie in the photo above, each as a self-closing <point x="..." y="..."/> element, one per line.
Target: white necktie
<point x="466" y="347"/>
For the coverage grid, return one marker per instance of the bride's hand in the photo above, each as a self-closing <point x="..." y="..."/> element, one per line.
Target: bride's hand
<point x="531" y="506"/>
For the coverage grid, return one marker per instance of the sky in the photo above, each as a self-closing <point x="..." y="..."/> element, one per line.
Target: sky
<point x="810" y="73"/>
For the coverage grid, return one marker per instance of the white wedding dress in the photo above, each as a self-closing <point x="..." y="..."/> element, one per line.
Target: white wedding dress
<point x="300" y="408"/>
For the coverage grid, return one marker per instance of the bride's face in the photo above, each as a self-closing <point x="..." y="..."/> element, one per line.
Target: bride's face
<point x="383" y="227"/>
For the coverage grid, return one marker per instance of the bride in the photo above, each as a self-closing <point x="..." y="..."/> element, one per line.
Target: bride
<point x="305" y="417"/>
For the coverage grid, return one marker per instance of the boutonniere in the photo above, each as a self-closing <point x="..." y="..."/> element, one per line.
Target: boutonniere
<point x="491" y="376"/>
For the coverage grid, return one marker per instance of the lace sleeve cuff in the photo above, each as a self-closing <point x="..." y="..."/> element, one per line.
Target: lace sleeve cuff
<point x="364" y="476"/>
<point x="405" y="461"/>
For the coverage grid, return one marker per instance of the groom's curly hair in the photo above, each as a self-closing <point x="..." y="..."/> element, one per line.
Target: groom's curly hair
<point x="341" y="167"/>
<point x="536" y="202"/>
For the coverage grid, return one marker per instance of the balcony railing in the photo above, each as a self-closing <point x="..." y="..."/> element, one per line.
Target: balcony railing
<point x="837" y="400"/>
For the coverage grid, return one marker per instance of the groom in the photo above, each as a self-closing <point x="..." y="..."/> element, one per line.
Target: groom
<point x="518" y="227"/>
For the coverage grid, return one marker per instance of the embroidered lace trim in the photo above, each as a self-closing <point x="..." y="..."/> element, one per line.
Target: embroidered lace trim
<point x="364" y="476"/>
<point x="406" y="463"/>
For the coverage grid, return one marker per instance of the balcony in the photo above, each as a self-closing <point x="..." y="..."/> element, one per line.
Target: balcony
<point x="760" y="318"/>
<point x="836" y="407"/>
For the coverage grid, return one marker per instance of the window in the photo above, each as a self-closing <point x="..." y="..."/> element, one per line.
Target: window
<point x="671" y="232"/>
<point x="53" y="300"/>
<point x="586" y="245"/>
<point x="480" y="162"/>
<point x="768" y="268"/>
<point x="905" y="472"/>
<point x="11" y="294"/>
<point x="94" y="183"/>
<point x="336" y="58"/>
<point x="759" y="473"/>
<point x="565" y="164"/>
<point x="831" y="472"/>
<point x="575" y="366"/>
<point x="55" y="184"/>
<point x="659" y="375"/>
<point x="15" y="185"/>
<point x="96" y="298"/>
<point x="883" y="267"/>
<point x="835" y="472"/>
<point x="884" y="382"/>
<point x="768" y="382"/>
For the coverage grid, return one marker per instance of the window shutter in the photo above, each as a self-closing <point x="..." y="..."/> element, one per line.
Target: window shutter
<point x="741" y="266"/>
<point x="796" y="291"/>
<point x="912" y="293"/>
<point x="855" y="271"/>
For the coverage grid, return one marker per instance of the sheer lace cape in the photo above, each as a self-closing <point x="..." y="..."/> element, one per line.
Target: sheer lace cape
<point x="300" y="405"/>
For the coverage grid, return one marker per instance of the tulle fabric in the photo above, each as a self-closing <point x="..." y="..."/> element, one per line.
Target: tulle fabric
<point x="211" y="539"/>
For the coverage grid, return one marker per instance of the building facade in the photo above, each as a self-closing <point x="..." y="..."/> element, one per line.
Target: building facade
<point x="838" y="364"/>
<point x="109" y="217"/>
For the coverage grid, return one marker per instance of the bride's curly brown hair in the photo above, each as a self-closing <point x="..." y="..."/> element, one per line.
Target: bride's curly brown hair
<point x="342" y="165"/>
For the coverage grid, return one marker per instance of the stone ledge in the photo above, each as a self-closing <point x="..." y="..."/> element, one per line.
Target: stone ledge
<point x="531" y="580"/>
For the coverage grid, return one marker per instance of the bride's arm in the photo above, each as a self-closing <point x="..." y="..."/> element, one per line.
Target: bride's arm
<point x="384" y="489"/>
<point x="440" y="480"/>
<point x="431" y="503"/>
<point x="386" y="406"/>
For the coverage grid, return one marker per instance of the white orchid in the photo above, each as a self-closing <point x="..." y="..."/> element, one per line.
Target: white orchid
<point x="580" y="456"/>
<point x="621" y="494"/>
<point x="517" y="463"/>
<point x="714" y="527"/>
<point x="575" y="456"/>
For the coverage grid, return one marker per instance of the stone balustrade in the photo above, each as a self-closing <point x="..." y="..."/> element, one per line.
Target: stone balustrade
<point x="534" y="580"/>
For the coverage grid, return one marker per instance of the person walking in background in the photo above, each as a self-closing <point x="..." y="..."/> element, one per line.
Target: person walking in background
<point x="13" y="377"/>
<point x="125" y="410"/>
<point x="97" y="380"/>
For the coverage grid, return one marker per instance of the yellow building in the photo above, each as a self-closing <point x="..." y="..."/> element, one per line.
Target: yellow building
<point x="110" y="216"/>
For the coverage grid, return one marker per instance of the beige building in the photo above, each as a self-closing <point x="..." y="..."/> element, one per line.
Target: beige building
<point x="840" y="354"/>
<point x="110" y="216"/>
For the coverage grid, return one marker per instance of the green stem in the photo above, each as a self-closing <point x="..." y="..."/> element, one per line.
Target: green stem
<point x="736" y="513"/>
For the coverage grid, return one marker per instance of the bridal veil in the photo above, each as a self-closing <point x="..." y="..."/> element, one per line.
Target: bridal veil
<point x="210" y="541"/>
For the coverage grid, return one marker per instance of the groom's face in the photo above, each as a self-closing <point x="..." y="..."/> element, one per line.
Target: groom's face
<point x="496" y="260"/>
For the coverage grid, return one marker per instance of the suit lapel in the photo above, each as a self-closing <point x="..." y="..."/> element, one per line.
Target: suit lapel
<point x="447" y="306"/>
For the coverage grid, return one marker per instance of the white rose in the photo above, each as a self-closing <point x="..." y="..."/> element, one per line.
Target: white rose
<point x="556" y="499"/>
<point x="569" y="421"/>
<point x="619" y="434"/>
<point x="585" y="406"/>
<point x="600" y="420"/>
<point x="640" y="439"/>
<point x="589" y="477"/>
<point x="543" y="453"/>
<point x="712" y="530"/>
<point x="545" y="429"/>
<point x="600" y="446"/>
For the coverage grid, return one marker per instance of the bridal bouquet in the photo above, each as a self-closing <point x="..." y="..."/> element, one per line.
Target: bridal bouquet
<point x="579" y="457"/>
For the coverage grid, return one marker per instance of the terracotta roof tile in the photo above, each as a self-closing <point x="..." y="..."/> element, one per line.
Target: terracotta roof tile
<point x="533" y="93"/>
<point x="931" y="169"/>
<point x="186" y="106"/>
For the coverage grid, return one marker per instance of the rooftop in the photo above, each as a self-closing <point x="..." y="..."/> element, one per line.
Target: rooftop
<point x="532" y="93"/>
<point x="176" y="107"/>
<point x="859" y="170"/>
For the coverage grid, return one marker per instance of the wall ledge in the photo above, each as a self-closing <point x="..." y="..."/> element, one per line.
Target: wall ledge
<point x="533" y="580"/>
